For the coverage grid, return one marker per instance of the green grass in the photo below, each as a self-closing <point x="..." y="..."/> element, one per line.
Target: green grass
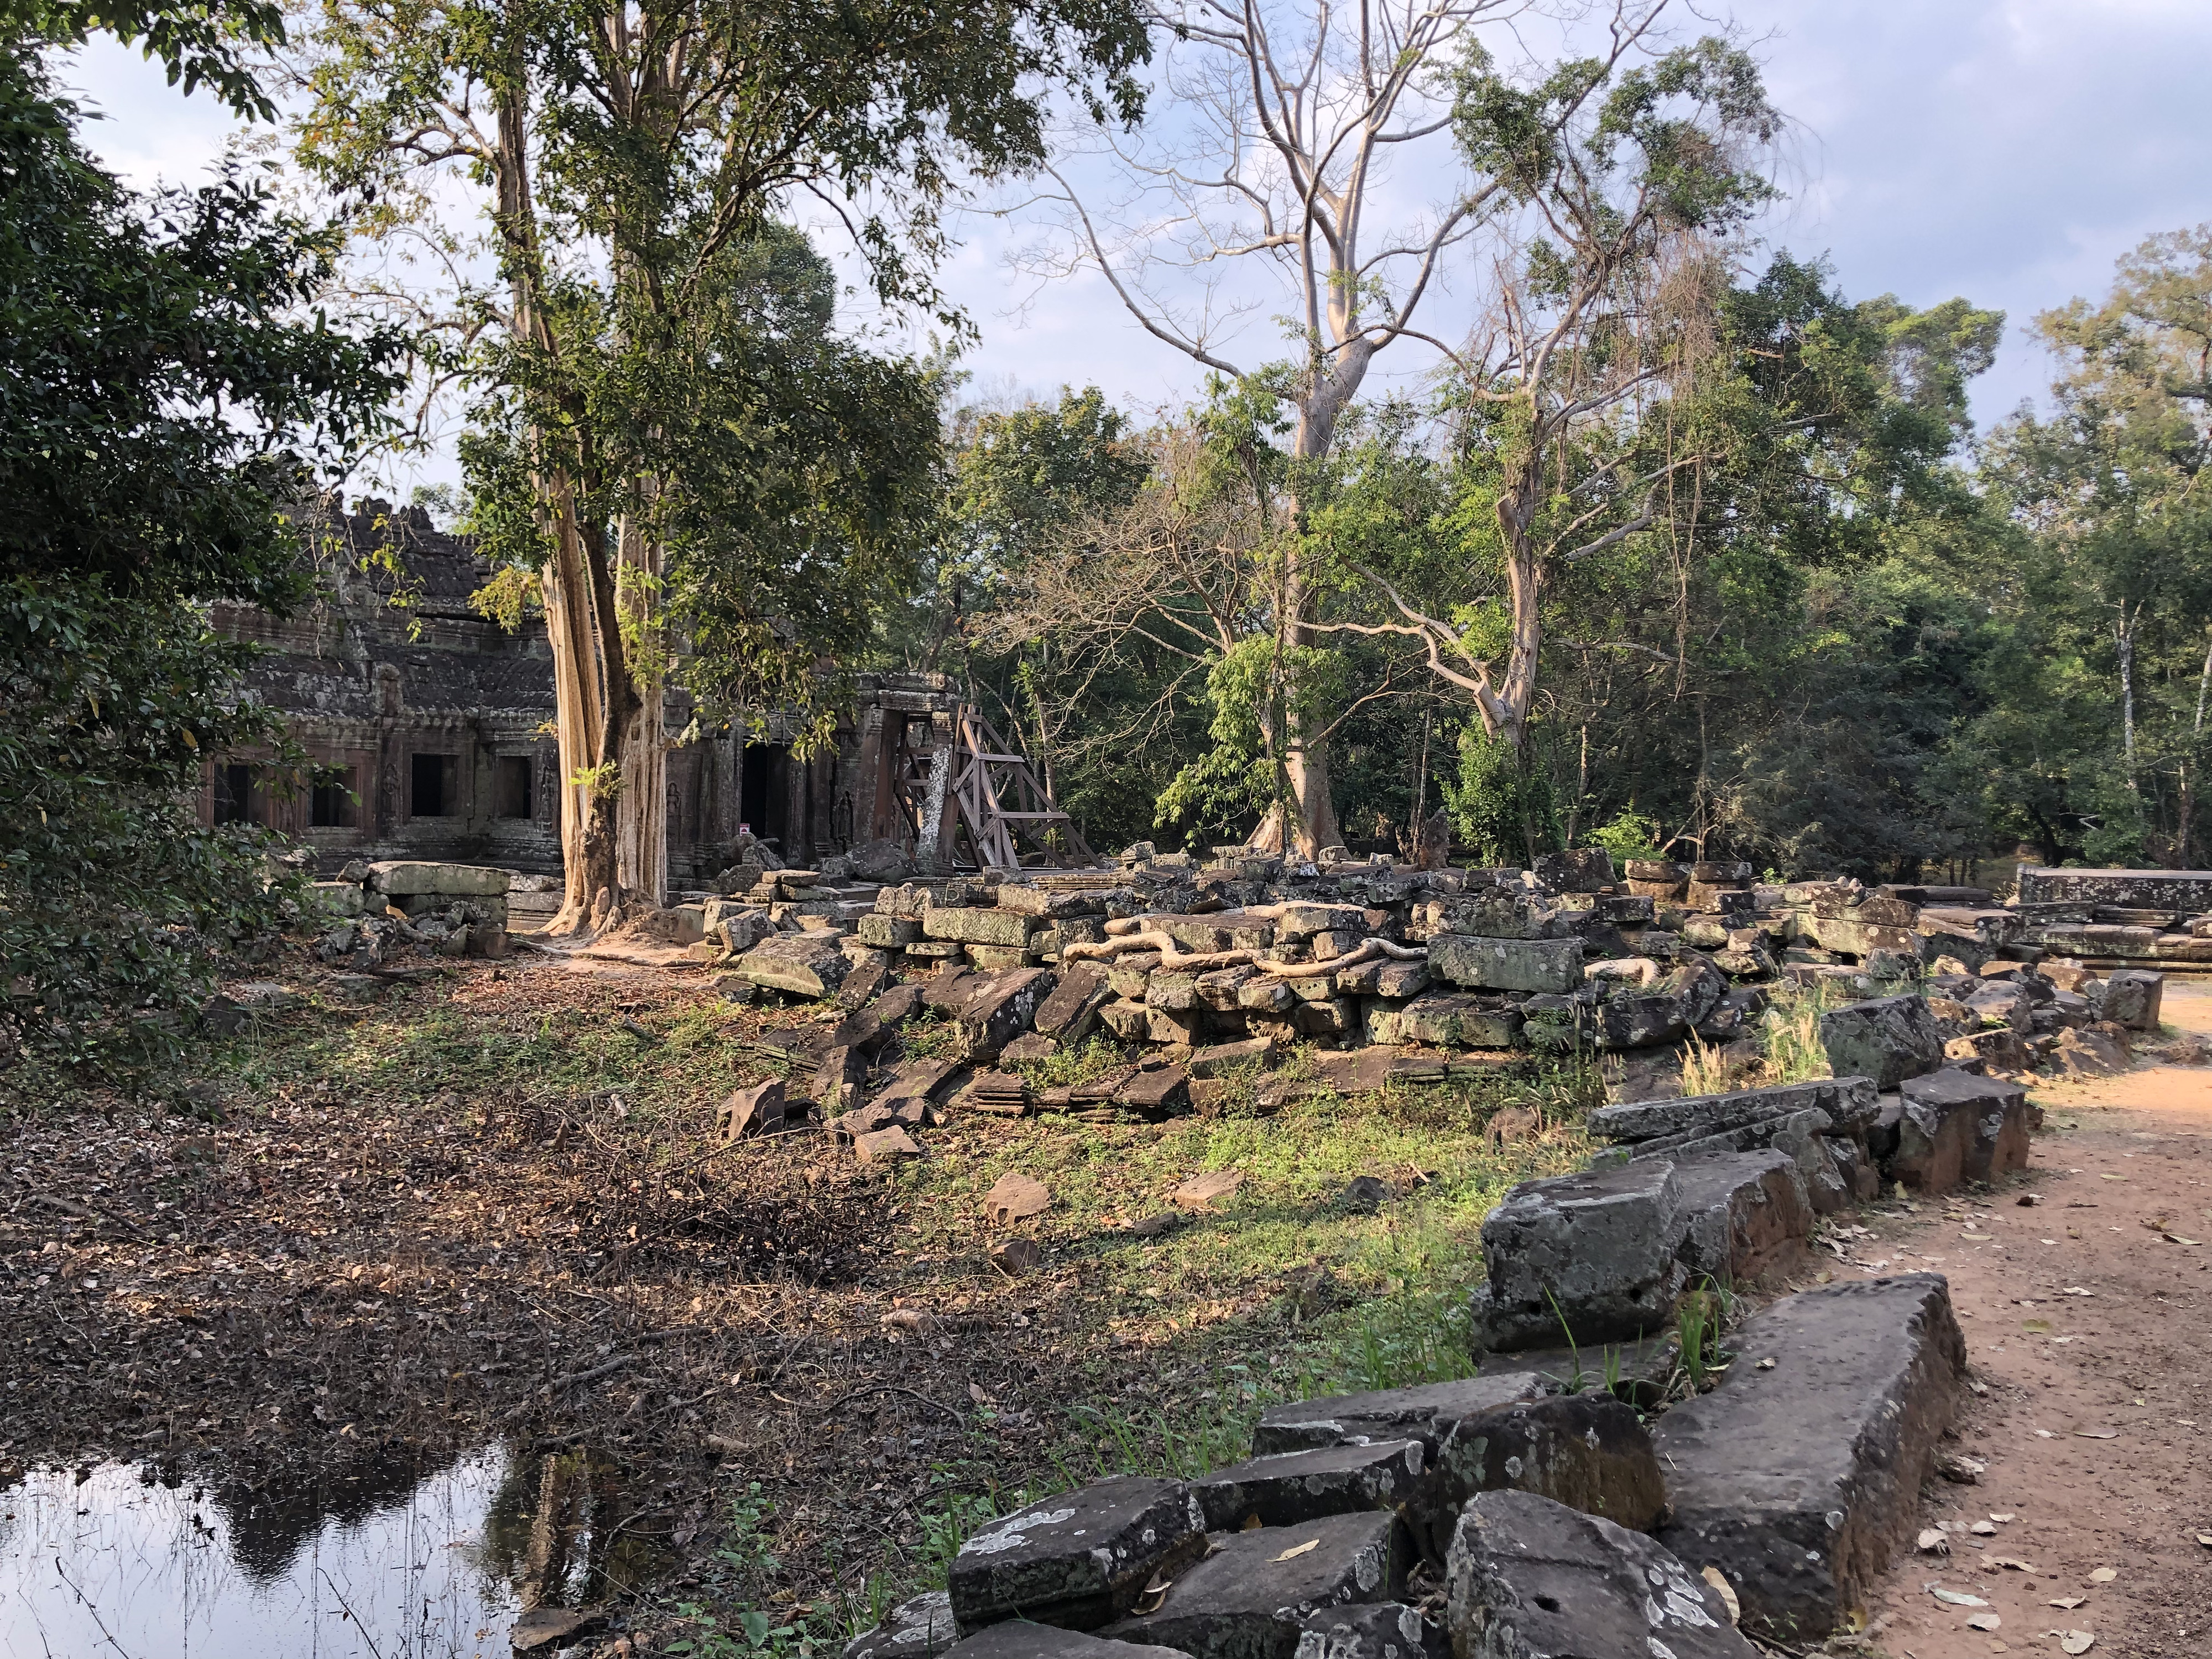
<point x="1791" y="1032"/>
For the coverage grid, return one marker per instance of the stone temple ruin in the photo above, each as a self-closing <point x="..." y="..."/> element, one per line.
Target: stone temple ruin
<point x="429" y="724"/>
<point x="1573" y="1497"/>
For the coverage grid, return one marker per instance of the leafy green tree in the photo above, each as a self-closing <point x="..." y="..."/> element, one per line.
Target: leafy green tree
<point x="169" y="399"/>
<point x="2100" y="744"/>
<point x="626" y="163"/>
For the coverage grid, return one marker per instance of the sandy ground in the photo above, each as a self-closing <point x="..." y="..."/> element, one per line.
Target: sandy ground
<point x="2087" y="1316"/>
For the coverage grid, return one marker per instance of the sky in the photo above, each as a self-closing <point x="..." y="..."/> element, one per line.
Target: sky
<point x="2004" y="150"/>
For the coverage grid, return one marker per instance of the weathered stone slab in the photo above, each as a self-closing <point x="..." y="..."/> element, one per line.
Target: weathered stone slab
<point x="2186" y="891"/>
<point x="1957" y="1126"/>
<point x="1021" y="1639"/>
<point x="1661" y="1012"/>
<point x="1449" y="1021"/>
<point x="971" y="925"/>
<point x="1506" y="964"/>
<point x="1424" y="1413"/>
<point x="1531" y="1579"/>
<point x="1071" y="1012"/>
<point x="1080" y="1560"/>
<point x="886" y="933"/>
<point x="1745" y="1214"/>
<point x="919" y="1628"/>
<point x="1498" y="912"/>
<point x="408" y="876"/>
<point x="1887" y="1039"/>
<point x="1591" y="1256"/>
<point x="1577" y="870"/>
<point x="1287" y="1488"/>
<point x="757" y="1110"/>
<point x="1849" y="1102"/>
<point x="1373" y="1630"/>
<point x="998" y="1012"/>
<point x="804" y="964"/>
<point x="1249" y="1599"/>
<point x="1800" y="1479"/>
<point x="1589" y="1451"/>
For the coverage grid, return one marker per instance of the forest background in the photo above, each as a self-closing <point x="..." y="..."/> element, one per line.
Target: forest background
<point x="1674" y="543"/>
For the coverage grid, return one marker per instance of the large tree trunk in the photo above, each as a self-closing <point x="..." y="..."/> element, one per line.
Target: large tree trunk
<point x="576" y="716"/>
<point x="642" y="815"/>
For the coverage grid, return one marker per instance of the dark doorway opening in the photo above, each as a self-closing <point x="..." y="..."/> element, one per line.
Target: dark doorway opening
<point x="511" y="787"/>
<point x="234" y="795"/>
<point x="435" y="782"/>
<point x="330" y="805"/>
<point x="764" y="792"/>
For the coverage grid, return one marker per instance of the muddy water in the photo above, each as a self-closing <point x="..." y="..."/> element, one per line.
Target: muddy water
<point x="382" y="1558"/>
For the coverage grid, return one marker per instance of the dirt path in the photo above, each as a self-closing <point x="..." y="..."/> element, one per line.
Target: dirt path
<point x="2088" y="1321"/>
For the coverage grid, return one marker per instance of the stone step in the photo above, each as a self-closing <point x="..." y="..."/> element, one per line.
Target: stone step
<point x="919" y="1628"/>
<point x="1287" y="1488"/>
<point x="1080" y="1560"/>
<point x="1424" y="1413"/>
<point x="1021" y="1638"/>
<point x="1251" y="1594"/>
<point x="1800" y="1479"/>
<point x="1375" y="1629"/>
<point x="1527" y="1577"/>
<point x="1589" y="1451"/>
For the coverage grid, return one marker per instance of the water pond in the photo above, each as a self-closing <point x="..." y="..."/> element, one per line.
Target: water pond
<point x="387" y="1556"/>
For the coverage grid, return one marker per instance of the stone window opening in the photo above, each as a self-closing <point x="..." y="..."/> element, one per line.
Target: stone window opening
<point x="434" y="786"/>
<point x="511" y="787"/>
<point x="331" y="800"/>
<point x="234" y="793"/>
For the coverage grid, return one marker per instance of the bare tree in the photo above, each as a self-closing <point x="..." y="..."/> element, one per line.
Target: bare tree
<point x="1274" y="155"/>
<point x="1608" y="277"/>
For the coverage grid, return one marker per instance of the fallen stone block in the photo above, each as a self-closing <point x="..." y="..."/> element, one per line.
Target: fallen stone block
<point x="1849" y="1102"/>
<point x="1497" y="913"/>
<point x="1799" y="1480"/>
<point x="1250" y="1598"/>
<point x="919" y="1628"/>
<point x="1527" y="1578"/>
<point x="1071" y="1012"/>
<point x="1589" y="1451"/>
<point x="409" y="876"/>
<point x="970" y="924"/>
<point x="1590" y="1257"/>
<point x="1447" y="1021"/>
<point x="2000" y="1047"/>
<point x="1161" y="1092"/>
<point x="1373" y="1630"/>
<point x="1002" y="1009"/>
<point x="1887" y="1039"/>
<point x="1080" y="1560"/>
<point x="884" y="1146"/>
<point x="804" y="964"/>
<point x="1745" y="1215"/>
<point x="2089" y="1053"/>
<point x="754" y="1111"/>
<point x="2132" y="996"/>
<point x="1661" y="1012"/>
<point x="1577" y="870"/>
<point x="1425" y="1413"/>
<point x="1287" y="1488"/>
<point x="1506" y="964"/>
<point x="1956" y="1125"/>
<point x="1023" y="1639"/>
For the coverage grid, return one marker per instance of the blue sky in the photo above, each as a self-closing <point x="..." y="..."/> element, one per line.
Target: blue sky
<point x="2007" y="150"/>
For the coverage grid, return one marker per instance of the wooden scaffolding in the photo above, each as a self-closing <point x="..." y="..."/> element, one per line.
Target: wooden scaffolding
<point x="970" y="798"/>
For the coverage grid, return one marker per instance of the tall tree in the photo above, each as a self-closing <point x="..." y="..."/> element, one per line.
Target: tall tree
<point x="2110" y="489"/>
<point x="1286" y="124"/>
<point x="622" y="155"/>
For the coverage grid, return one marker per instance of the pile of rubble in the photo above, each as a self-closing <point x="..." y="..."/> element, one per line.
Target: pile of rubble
<point x="1537" y="1508"/>
<point x="2118" y="915"/>
<point x="374" y="912"/>
<point x="1431" y="963"/>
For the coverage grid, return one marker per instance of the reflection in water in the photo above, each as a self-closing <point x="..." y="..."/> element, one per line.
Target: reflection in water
<point x="387" y="1556"/>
